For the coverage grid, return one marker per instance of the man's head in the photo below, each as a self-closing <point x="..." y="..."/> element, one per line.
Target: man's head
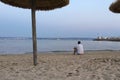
<point x="79" y="42"/>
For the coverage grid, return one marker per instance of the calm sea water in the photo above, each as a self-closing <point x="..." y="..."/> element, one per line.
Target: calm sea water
<point x="14" y="46"/>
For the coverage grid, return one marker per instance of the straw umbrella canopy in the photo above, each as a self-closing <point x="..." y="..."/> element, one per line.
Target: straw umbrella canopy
<point x="36" y="5"/>
<point x="39" y="4"/>
<point x="115" y="7"/>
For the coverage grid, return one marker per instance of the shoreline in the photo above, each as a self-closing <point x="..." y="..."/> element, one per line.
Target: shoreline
<point x="58" y="52"/>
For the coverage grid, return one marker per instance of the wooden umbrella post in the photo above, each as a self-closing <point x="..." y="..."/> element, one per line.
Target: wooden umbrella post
<point x="34" y="33"/>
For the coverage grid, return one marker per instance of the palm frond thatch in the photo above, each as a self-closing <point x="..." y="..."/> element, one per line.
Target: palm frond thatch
<point x="115" y="7"/>
<point x="40" y="4"/>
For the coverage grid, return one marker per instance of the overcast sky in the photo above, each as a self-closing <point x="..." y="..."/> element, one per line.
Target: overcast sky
<point x="81" y="18"/>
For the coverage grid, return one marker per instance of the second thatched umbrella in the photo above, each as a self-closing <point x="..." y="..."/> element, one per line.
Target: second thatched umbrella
<point x="36" y="5"/>
<point x="115" y="7"/>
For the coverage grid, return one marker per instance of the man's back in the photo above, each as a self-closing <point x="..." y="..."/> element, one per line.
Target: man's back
<point x="80" y="49"/>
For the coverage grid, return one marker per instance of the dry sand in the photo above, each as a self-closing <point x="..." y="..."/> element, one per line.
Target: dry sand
<point x="93" y="65"/>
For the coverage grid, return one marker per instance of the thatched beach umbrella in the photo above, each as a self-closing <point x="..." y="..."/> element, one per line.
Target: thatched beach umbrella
<point x="115" y="7"/>
<point x="36" y="5"/>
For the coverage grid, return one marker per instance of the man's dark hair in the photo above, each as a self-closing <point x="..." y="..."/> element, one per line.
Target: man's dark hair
<point x="79" y="42"/>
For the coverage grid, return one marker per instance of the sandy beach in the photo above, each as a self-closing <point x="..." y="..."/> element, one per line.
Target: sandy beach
<point x="93" y="65"/>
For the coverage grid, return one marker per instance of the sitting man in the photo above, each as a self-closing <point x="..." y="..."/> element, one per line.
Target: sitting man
<point x="79" y="49"/>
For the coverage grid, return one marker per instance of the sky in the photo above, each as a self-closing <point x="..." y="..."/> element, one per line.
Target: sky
<point x="81" y="18"/>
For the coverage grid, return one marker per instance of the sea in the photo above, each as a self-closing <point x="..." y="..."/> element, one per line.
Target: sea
<point x="15" y="45"/>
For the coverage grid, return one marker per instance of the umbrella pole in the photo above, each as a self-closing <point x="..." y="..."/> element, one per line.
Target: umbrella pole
<point x="34" y="34"/>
